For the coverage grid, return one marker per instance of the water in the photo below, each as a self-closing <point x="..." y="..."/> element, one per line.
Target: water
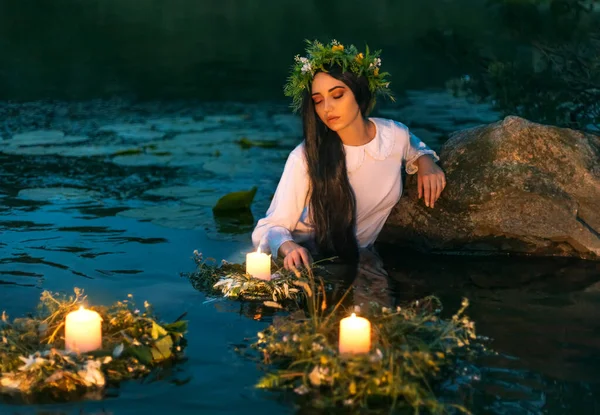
<point x="69" y="219"/>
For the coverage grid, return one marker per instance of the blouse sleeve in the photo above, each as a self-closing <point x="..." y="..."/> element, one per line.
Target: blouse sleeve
<point x="415" y="149"/>
<point x="286" y="208"/>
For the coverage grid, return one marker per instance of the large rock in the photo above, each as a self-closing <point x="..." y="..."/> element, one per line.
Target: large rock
<point x="513" y="187"/>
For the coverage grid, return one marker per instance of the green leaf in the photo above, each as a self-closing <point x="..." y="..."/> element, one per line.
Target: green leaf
<point x="157" y="331"/>
<point x="141" y="353"/>
<point x="235" y="201"/>
<point x="269" y="381"/>
<point x="162" y="348"/>
<point x="176" y="327"/>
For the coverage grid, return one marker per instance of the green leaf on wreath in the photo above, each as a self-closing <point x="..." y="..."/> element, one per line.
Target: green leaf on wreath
<point x="141" y="353"/>
<point x="162" y="348"/>
<point x="157" y="331"/>
<point x="235" y="201"/>
<point x="269" y="381"/>
<point x="176" y="327"/>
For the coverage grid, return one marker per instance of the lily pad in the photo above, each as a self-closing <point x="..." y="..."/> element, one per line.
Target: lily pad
<point x="45" y="137"/>
<point x="235" y="201"/>
<point x="58" y="194"/>
<point x="177" y="191"/>
<point x="183" y="160"/>
<point x="172" y="216"/>
<point x="207" y="200"/>
<point x="141" y="135"/>
<point x="201" y="221"/>
<point x="160" y="212"/>
<point x="142" y="160"/>
<point x="34" y="150"/>
<point x="180" y="125"/>
<point x="229" y="119"/>
<point x="97" y="150"/>
<point x="123" y="128"/>
<point x="205" y="138"/>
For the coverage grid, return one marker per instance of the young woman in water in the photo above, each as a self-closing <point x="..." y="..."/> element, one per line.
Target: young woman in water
<point x="341" y="183"/>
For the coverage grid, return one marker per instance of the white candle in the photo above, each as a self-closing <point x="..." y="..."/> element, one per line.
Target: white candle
<point x="258" y="265"/>
<point x="355" y="335"/>
<point x="83" y="331"/>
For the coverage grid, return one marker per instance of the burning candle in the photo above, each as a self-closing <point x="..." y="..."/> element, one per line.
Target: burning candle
<point x="258" y="265"/>
<point x="355" y="335"/>
<point x="83" y="331"/>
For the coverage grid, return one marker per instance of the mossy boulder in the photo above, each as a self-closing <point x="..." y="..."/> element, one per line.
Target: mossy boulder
<point x="514" y="186"/>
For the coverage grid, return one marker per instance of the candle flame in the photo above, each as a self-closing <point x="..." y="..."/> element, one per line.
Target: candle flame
<point x="353" y="315"/>
<point x="258" y="250"/>
<point x="81" y="308"/>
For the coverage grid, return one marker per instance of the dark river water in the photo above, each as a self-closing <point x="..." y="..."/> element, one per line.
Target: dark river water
<point x="113" y="195"/>
<point x="121" y="207"/>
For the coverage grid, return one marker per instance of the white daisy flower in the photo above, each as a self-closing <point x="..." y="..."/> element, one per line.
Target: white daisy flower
<point x="31" y="362"/>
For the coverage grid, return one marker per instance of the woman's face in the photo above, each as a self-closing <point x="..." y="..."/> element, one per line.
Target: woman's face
<point x="334" y="102"/>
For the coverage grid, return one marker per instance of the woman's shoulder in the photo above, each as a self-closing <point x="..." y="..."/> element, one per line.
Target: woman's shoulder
<point x="393" y="134"/>
<point x="389" y="126"/>
<point x="298" y="156"/>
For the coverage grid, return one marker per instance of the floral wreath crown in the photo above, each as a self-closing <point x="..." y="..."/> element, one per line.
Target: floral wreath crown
<point x="348" y="58"/>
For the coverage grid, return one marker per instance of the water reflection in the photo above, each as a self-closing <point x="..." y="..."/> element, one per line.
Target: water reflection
<point x="539" y="313"/>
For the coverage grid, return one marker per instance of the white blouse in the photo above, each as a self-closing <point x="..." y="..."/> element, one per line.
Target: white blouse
<point x="374" y="171"/>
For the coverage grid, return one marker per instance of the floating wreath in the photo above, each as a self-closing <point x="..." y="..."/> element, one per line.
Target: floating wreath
<point x="36" y="367"/>
<point x="413" y="350"/>
<point x="231" y="280"/>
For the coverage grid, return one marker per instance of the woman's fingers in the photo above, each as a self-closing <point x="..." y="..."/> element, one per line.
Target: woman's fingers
<point x="420" y="185"/>
<point x="297" y="258"/>
<point x="426" y="190"/>
<point x="286" y="262"/>
<point x="432" y="191"/>
<point x="441" y="185"/>
<point x="305" y="258"/>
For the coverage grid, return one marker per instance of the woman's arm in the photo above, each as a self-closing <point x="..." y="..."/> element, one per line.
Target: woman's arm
<point x="420" y="159"/>
<point x="286" y="208"/>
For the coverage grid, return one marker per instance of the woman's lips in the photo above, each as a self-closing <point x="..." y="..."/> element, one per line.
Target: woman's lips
<point x="333" y="119"/>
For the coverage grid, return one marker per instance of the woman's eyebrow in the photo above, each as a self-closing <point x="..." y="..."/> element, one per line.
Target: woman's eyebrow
<point x="335" y="87"/>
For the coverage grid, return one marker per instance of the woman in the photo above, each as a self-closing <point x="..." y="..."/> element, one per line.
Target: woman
<point x="341" y="183"/>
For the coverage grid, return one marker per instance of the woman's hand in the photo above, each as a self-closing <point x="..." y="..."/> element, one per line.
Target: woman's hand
<point x="431" y="180"/>
<point x="295" y="255"/>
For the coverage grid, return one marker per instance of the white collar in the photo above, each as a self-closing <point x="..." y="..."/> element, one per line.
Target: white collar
<point x="380" y="147"/>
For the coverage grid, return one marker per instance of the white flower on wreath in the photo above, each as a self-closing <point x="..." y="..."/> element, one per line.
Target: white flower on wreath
<point x="31" y="362"/>
<point x="376" y="63"/>
<point x="306" y="67"/>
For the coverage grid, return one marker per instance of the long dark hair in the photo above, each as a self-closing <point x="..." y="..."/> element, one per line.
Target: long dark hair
<point x="332" y="204"/>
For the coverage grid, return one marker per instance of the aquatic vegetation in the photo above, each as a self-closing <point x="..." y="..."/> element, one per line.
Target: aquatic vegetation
<point x="413" y="351"/>
<point x="235" y="201"/>
<point x="36" y="368"/>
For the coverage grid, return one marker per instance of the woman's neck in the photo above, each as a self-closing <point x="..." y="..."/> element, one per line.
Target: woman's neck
<point x="360" y="132"/>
